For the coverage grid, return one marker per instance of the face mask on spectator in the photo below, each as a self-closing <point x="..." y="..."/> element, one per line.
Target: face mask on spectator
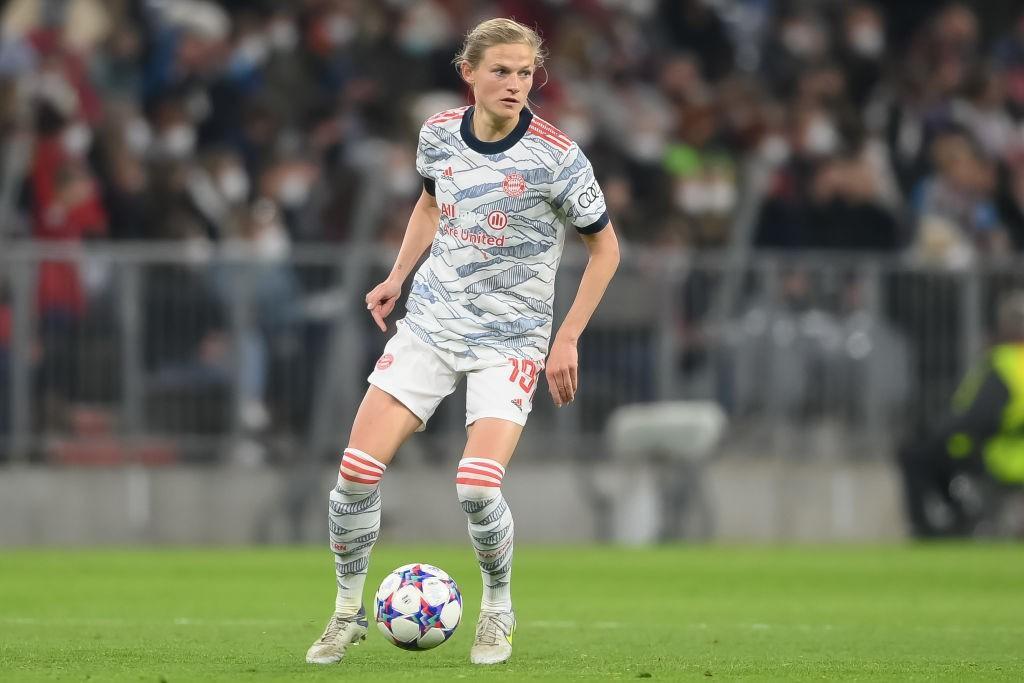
<point x="775" y="149"/>
<point x="198" y="105"/>
<point x="692" y="196"/>
<point x="234" y="184"/>
<point x="802" y="39"/>
<point x="138" y="135"/>
<point x="820" y="137"/>
<point x="251" y="53"/>
<point x="76" y="139"/>
<point x="283" y="36"/>
<point x="867" y="40"/>
<point x="178" y="141"/>
<point x="293" y="190"/>
<point x="340" y="30"/>
<point x="721" y="196"/>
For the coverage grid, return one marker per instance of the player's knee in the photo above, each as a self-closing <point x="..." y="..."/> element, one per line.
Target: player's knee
<point x="478" y="479"/>
<point x="359" y="472"/>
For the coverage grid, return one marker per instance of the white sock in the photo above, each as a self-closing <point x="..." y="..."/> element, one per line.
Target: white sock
<point x="354" y="521"/>
<point x="478" y="482"/>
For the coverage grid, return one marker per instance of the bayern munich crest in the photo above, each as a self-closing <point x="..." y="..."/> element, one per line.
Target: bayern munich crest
<point x="385" y="361"/>
<point x="514" y="184"/>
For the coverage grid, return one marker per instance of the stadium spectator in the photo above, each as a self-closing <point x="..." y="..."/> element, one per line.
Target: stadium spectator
<point x="980" y="436"/>
<point x="266" y="287"/>
<point x="885" y="126"/>
<point x="192" y="79"/>
<point x="189" y="365"/>
<point x="960" y="194"/>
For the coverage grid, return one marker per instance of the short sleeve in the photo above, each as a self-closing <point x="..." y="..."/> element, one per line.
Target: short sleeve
<point x="576" y="193"/>
<point x="422" y="164"/>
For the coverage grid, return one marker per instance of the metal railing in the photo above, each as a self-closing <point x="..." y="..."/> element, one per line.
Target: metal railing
<point x="186" y="353"/>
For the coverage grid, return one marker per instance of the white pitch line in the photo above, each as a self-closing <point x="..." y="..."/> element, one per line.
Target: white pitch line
<point x="540" y="624"/>
<point x="555" y="624"/>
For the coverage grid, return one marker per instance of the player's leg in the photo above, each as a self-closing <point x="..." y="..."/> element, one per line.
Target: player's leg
<point x="928" y="473"/>
<point x="408" y="383"/>
<point x="917" y="468"/>
<point x="381" y="426"/>
<point x="491" y="530"/>
<point x="497" y="403"/>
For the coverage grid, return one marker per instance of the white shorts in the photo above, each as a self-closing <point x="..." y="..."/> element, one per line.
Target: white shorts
<point x="420" y="376"/>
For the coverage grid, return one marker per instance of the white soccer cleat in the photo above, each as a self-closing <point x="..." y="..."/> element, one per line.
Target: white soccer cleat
<point x="493" y="641"/>
<point x="339" y="634"/>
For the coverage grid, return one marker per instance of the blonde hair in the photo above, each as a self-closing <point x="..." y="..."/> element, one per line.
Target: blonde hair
<point x="498" y="32"/>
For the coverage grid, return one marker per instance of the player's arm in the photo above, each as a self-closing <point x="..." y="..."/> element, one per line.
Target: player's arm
<point x="562" y="365"/>
<point x="419" y="233"/>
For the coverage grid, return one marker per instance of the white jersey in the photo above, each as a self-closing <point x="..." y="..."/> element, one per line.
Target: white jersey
<point x="487" y="288"/>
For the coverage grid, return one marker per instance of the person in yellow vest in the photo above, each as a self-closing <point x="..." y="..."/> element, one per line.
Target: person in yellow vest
<point x="982" y="436"/>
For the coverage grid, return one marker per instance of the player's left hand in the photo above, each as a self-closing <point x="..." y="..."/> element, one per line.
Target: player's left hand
<point x="561" y="371"/>
<point x="381" y="300"/>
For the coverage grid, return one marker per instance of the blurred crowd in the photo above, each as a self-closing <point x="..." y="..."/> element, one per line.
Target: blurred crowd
<point x="893" y="127"/>
<point x="885" y="126"/>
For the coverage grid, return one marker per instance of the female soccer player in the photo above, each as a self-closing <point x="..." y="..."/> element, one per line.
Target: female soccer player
<point x="500" y="188"/>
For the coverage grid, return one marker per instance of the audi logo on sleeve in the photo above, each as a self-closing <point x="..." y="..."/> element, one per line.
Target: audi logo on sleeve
<point x="589" y="196"/>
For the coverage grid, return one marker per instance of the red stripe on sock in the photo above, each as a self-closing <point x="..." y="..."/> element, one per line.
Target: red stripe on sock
<point x="364" y="461"/>
<point x="470" y="470"/>
<point x="358" y="480"/>
<point x="496" y="468"/>
<point x="477" y="482"/>
<point x="360" y="470"/>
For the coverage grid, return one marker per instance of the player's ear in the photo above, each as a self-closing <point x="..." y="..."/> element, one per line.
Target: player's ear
<point x="466" y="72"/>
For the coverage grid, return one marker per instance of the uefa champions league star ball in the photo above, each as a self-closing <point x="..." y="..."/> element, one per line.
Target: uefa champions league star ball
<point x="418" y="606"/>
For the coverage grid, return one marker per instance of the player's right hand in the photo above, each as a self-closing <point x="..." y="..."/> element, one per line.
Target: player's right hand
<point x="562" y="371"/>
<point x="381" y="300"/>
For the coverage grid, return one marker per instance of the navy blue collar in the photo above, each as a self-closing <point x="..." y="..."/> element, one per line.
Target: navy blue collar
<point x="498" y="146"/>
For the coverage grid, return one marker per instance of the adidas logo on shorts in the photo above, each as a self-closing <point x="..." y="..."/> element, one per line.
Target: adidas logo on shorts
<point x="518" y="403"/>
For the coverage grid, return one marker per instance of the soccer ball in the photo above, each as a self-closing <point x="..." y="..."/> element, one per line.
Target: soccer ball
<point x="418" y="606"/>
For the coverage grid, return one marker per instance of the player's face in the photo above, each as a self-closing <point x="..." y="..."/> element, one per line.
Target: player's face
<point x="502" y="81"/>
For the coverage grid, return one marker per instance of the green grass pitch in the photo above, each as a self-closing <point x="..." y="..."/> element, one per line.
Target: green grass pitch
<point x="924" y="612"/>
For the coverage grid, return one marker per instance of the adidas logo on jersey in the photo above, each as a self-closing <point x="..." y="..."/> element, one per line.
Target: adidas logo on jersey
<point x="448" y="172"/>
